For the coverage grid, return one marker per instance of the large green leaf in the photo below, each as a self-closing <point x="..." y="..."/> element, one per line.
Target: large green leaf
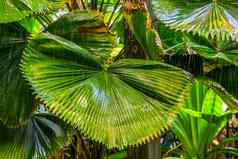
<point x="124" y="103"/>
<point x="201" y="119"/>
<point x="88" y="30"/>
<point x="16" y="100"/>
<point x="209" y="18"/>
<point x="15" y="10"/>
<point x="41" y="137"/>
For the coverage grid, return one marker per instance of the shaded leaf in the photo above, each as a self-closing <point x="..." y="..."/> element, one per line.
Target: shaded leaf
<point x="227" y="52"/>
<point x="221" y="53"/>
<point x="16" y="100"/>
<point x="226" y="150"/>
<point x="227" y="77"/>
<point x="42" y="136"/>
<point x="118" y="155"/>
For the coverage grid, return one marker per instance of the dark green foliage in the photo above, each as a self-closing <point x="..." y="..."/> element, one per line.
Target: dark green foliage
<point x="16" y="98"/>
<point x="41" y="137"/>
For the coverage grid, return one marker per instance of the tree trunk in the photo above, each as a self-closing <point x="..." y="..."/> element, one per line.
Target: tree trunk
<point x="81" y="148"/>
<point x="134" y="50"/>
<point x="147" y="151"/>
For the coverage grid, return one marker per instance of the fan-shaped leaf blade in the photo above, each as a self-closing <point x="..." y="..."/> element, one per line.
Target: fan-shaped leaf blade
<point x="16" y="99"/>
<point x="41" y="137"/>
<point x="15" y="10"/>
<point x="120" y="104"/>
<point x="215" y="19"/>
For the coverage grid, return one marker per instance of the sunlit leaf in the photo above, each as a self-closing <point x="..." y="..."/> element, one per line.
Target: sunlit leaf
<point x="209" y="18"/>
<point x="227" y="97"/>
<point x="15" y="10"/>
<point x="88" y="30"/>
<point x="201" y="119"/>
<point x="124" y="103"/>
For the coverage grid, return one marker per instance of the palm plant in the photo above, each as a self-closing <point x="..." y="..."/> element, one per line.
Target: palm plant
<point x="78" y="56"/>
<point x="87" y="73"/>
<point x="206" y="29"/>
<point x="83" y="66"/>
<point x="41" y="137"/>
<point x="202" y="119"/>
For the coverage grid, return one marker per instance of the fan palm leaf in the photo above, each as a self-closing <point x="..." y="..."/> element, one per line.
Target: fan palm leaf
<point x="16" y="99"/>
<point x="41" y="137"/>
<point x="209" y="18"/>
<point x="223" y="52"/>
<point x="124" y="103"/>
<point x="220" y="52"/>
<point x="15" y="10"/>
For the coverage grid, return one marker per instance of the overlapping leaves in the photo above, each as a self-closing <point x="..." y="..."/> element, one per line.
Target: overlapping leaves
<point x="216" y="55"/>
<point x="222" y="52"/>
<point x="124" y="103"/>
<point x="15" y="10"/>
<point x="209" y="18"/>
<point x="38" y="139"/>
<point x="16" y="99"/>
<point x="144" y="33"/>
<point x="86" y="29"/>
<point x="201" y="119"/>
<point x="227" y="77"/>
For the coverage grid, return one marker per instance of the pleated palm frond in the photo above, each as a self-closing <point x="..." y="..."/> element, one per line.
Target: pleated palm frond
<point x="222" y="52"/>
<point x="16" y="99"/>
<point x="15" y="10"/>
<point x="173" y="42"/>
<point x="88" y="30"/>
<point x="209" y="18"/>
<point x="125" y="103"/>
<point x="41" y="137"/>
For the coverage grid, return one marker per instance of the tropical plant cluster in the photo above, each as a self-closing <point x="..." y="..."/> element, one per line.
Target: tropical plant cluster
<point x="98" y="79"/>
